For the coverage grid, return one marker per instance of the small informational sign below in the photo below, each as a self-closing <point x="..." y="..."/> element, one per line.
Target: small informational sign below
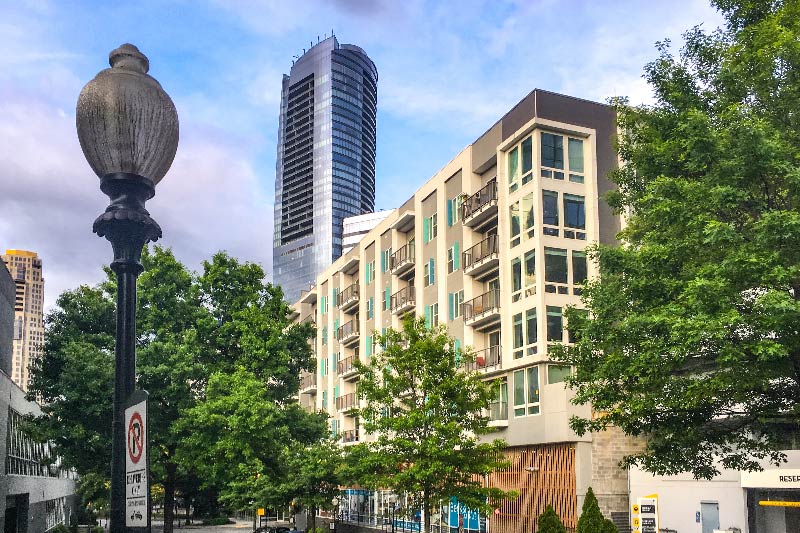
<point x="137" y="486"/>
<point x="646" y="520"/>
<point x="260" y="511"/>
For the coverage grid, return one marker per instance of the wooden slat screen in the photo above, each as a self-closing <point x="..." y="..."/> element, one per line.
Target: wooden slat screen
<point x="552" y="482"/>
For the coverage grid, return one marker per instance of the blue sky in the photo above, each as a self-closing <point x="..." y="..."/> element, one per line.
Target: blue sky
<point x="447" y="71"/>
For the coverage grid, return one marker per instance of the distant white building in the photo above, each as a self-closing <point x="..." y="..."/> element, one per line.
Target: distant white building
<point x="354" y="228"/>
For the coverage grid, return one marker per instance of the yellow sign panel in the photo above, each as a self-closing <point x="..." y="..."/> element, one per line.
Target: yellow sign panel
<point x="636" y="522"/>
<point x="635" y="508"/>
<point x="771" y="503"/>
<point x="260" y="512"/>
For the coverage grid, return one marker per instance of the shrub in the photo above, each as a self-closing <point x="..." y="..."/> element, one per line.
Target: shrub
<point x="221" y="521"/>
<point x="549" y="522"/>
<point x="592" y="520"/>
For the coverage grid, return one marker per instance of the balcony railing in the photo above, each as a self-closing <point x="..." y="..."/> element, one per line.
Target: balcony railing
<point x="483" y="258"/>
<point x="403" y="300"/>
<point x="486" y="360"/>
<point x="477" y="204"/>
<point x="347" y="332"/>
<point x="347" y="402"/>
<point x="498" y="411"/>
<point x="308" y="318"/>
<point x="402" y="261"/>
<point x="346" y="366"/>
<point x="348" y="299"/>
<point x="308" y="382"/>
<point x="483" y="310"/>
<point x="350" y="435"/>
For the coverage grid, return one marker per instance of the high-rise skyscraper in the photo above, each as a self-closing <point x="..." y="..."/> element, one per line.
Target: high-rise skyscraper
<point x="26" y="270"/>
<point x="326" y="159"/>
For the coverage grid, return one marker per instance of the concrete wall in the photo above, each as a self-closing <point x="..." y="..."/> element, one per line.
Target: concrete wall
<point x="36" y="490"/>
<point x="7" y="295"/>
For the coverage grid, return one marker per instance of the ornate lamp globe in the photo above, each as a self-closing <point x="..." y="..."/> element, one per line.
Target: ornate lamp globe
<point x="126" y="122"/>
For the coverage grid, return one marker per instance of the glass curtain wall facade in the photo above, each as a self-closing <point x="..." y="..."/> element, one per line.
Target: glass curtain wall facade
<point x="325" y="168"/>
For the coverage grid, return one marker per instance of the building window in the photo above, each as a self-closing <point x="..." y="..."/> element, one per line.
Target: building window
<point x="387" y="298"/>
<point x="514" y="220"/>
<point x="516" y="279"/>
<point x="575" y="154"/>
<point x="574" y="212"/>
<point x="370" y="307"/>
<point x="369" y="272"/>
<point x="579" y="270"/>
<point x="558" y="373"/>
<point x="385" y="255"/>
<point x="531" y="331"/>
<point x="528" y="215"/>
<point x="452" y="258"/>
<point x="552" y="156"/>
<point x="526" y="391"/>
<point x="454" y="210"/>
<point x="429" y="228"/>
<point x="519" y="339"/>
<point x="527" y="160"/>
<point x="454" y="301"/>
<point x="550" y="212"/>
<point x="530" y="272"/>
<point x="325" y="335"/>
<point x="513" y="169"/>
<point x="432" y="315"/>
<point x="429" y="273"/>
<point x="555" y="266"/>
<point x="554" y="324"/>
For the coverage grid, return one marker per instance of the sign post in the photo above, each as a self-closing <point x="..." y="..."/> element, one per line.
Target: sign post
<point x="137" y="464"/>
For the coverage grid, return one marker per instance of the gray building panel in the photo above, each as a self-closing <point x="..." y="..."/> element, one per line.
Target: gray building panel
<point x="7" y="295"/>
<point x="326" y="159"/>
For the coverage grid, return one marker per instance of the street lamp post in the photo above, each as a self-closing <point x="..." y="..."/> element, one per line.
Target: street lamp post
<point x="128" y="131"/>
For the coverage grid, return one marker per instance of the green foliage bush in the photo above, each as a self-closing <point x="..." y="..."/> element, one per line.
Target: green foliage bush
<point x="549" y="522"/>
<point x="592" y="520"/>
<point x="220" y="521"/>
<point x="60" y="528"/>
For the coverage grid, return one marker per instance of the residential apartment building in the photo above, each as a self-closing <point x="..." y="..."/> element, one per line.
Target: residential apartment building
<point x="355" y="227"/>
<point x="493" y="246"/>
<point x="28" y="333"/>
<point x="325" y="169"/>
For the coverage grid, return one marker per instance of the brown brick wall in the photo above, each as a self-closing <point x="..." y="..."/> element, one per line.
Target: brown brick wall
<point x="609" y="481"/>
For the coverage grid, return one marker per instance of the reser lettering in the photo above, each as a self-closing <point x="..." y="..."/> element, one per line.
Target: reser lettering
<point x="789" y="479"/>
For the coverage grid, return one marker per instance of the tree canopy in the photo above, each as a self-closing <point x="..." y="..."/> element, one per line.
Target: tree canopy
<point x="194" y="332"/>
<point x="693" y="334"/>
<point x="427" y="415"/>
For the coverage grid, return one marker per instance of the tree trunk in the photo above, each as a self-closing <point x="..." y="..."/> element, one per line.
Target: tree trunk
<point x="169" y="496"/>
<point x="313" y="520"/>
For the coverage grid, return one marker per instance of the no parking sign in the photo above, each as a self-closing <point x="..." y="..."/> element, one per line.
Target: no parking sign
<point x="137" y="486"/>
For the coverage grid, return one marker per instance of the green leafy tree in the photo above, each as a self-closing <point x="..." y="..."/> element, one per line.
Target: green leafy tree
<point x="239" y="438"/>
<point x="189" y="327"/>
<point x="549" y="522"/>
<point x="314" y="475"/>
<point x="426" y="413"/>
<point x="692" y="337"/>
<point x="592" y="520"/>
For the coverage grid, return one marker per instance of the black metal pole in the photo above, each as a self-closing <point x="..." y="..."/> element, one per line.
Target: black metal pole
<point x="128" y="226"/>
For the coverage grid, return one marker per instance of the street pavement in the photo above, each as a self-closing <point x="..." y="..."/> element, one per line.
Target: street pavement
<point x="241" y="526"/>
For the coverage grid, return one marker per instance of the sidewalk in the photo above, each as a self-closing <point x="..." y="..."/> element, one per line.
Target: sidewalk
<point x="241" y="526"/>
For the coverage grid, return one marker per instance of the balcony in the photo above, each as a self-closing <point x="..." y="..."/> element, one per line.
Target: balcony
<point x="347" y="402"/>
<point x="480" y="209"/>
<point x="308" y="384"/>
<point x="347" y="300"/>
<point x="483" y="312"/>
<point x="482" y="260"/>
<point x="498" y="414"/>
<point x="349" y="435"/>
<point x="347" y="334"/>
<point x="309" y="296"/>
<point x="346" y="368"/>
<point x="488" y="360"/>
<point x="403" y="300"/>
<point x="308" y="318"/>
<point x="401" y="263"/>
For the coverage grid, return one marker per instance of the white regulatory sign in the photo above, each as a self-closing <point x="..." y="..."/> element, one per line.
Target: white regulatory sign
<point x="136" y="483"/>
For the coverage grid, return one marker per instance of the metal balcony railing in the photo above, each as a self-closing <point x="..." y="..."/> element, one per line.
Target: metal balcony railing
<point x="347" y="402"/>
<point x="484" y="303"/>
<point x="350" y="435"/>
<point x="347" y="295"/>
<point x="347" y="330"/>
<point x="405" y="297"/>
<point x="346" y="365"/>
<point x="482" y="250"/>
<point x="308" y="381"/>
<point x="403" y="257"/>
<point x="308" y="318"/>
<point x="487" y="359"/>
<point x="474" y="203"/>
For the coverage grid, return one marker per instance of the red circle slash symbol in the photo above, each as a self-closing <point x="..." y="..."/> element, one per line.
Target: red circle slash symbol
<point x="135" y="438"/>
